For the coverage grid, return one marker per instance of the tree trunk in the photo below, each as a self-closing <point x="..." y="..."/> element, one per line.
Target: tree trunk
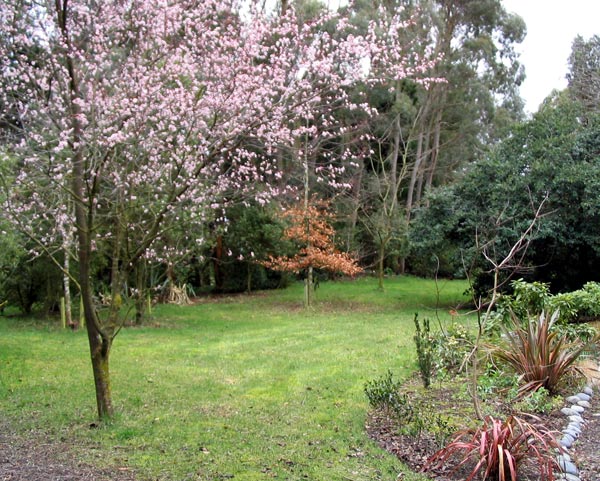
<point x="67" y="291"/>
<point x="218" y="257"/>
<point x="116" y="276"/>
<point x="249" y="277"/>
<point x="423" y="165"/>
<point x="394" y="177"/>
<point x="435" y="150"/>
<point x="380" y="264"/>
<point x="356" y="195"/>
<point x="100" y="351"/>
<point x="140" y="295"/>
<point x="100" y="343"/>
<point x="308" y="288"/>
<point x="413" y="177"/>
<point x="284" y="7"/>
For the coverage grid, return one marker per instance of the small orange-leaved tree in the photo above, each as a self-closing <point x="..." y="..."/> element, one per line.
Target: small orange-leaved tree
<point x="309" y="227"/>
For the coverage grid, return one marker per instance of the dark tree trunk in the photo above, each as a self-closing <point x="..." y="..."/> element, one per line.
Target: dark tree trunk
<point x="140" y="295"/>
<point x="100" y="342"/>
<point x="381" y="263"/>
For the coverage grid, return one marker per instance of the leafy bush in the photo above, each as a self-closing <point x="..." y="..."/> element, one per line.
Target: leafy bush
<point x="575" y="332"/>
<point x="495" y="381"/>
<point x="498" y="448"/>
<point x="584" y="303"/>
<point x="451" y="348"/>
<point x="541" y="356"/>
<point x="530" y="299"/>
<point x="539" y="401"/>
<point x="424" y="344"/>
<point x="384" y="393"/>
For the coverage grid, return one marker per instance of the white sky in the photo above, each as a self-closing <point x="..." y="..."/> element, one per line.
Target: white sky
<point x="551" y="27"/>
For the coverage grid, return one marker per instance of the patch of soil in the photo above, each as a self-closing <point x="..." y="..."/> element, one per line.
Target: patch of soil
<point x="415" y="449"/>
<point x="31" y="458"/>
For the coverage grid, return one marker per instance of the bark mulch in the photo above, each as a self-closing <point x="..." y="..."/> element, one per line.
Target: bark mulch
<point x="32" y="458"/>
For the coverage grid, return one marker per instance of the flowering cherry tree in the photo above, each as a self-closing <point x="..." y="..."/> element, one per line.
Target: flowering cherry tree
<point x="128" y="114"/>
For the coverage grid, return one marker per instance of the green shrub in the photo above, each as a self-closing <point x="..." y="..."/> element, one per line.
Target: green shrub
<point x="575" y="332"/>
<point x="539" y="402"/>
<point x="384" y="393"/>
<point x="529" y="300"/>
<point x="424" y="343"/>
<point x="495" y="382"/>
<point x="451" y="348"/>
<point x="585" y="302"/>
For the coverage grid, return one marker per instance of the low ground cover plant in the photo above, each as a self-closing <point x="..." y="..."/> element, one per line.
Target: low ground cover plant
<point x="499" y="383"/>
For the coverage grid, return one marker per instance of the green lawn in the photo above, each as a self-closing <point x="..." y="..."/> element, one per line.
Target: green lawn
<point x="245" y="387"/>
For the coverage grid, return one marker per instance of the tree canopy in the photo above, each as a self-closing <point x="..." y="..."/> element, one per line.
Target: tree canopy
<point x="555" y="156"/>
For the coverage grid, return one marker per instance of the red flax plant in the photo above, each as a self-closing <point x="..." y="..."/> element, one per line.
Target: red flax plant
<point x="498" y="448"/>
<point x="540" y="355"/>
<point x="310" y="228"/>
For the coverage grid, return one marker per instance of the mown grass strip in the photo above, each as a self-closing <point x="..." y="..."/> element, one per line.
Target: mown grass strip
<point x="243" y="387"/>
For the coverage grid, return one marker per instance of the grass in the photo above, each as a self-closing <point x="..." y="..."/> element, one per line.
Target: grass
<point x="243" y="387"/>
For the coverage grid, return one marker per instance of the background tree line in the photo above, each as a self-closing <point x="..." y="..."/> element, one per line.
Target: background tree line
<point x="450" y="167"/>
<point x="429" y="145"/>
<point x="145" y="157"/>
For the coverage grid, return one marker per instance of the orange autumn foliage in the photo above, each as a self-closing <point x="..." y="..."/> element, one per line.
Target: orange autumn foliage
<point x="311" y="229"/>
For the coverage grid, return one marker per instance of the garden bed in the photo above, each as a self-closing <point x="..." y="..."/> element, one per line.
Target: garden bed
<point x="448" y="401"/>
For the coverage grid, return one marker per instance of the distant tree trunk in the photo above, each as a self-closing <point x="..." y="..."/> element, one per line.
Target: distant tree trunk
<point x="140" y="294"/>
<point x="394" y="177"/>
<point x="217" y="263"/>
<point x="413" y="177"/>
<point x="390" y="199"/>
<point x="381" y="264"/>
<point x="423" y="164"/>
<point x="248" y="277"/>
<point x="284" y="7"/>
<point x="356" y="198"/>
<point x="435" y="150"/>
<point x="212" y="278"/>
<point x="170" y="279"/>
<point x="67" y="291"/>
<point x="116" y="278"/>
<point x="309" y="287"/>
